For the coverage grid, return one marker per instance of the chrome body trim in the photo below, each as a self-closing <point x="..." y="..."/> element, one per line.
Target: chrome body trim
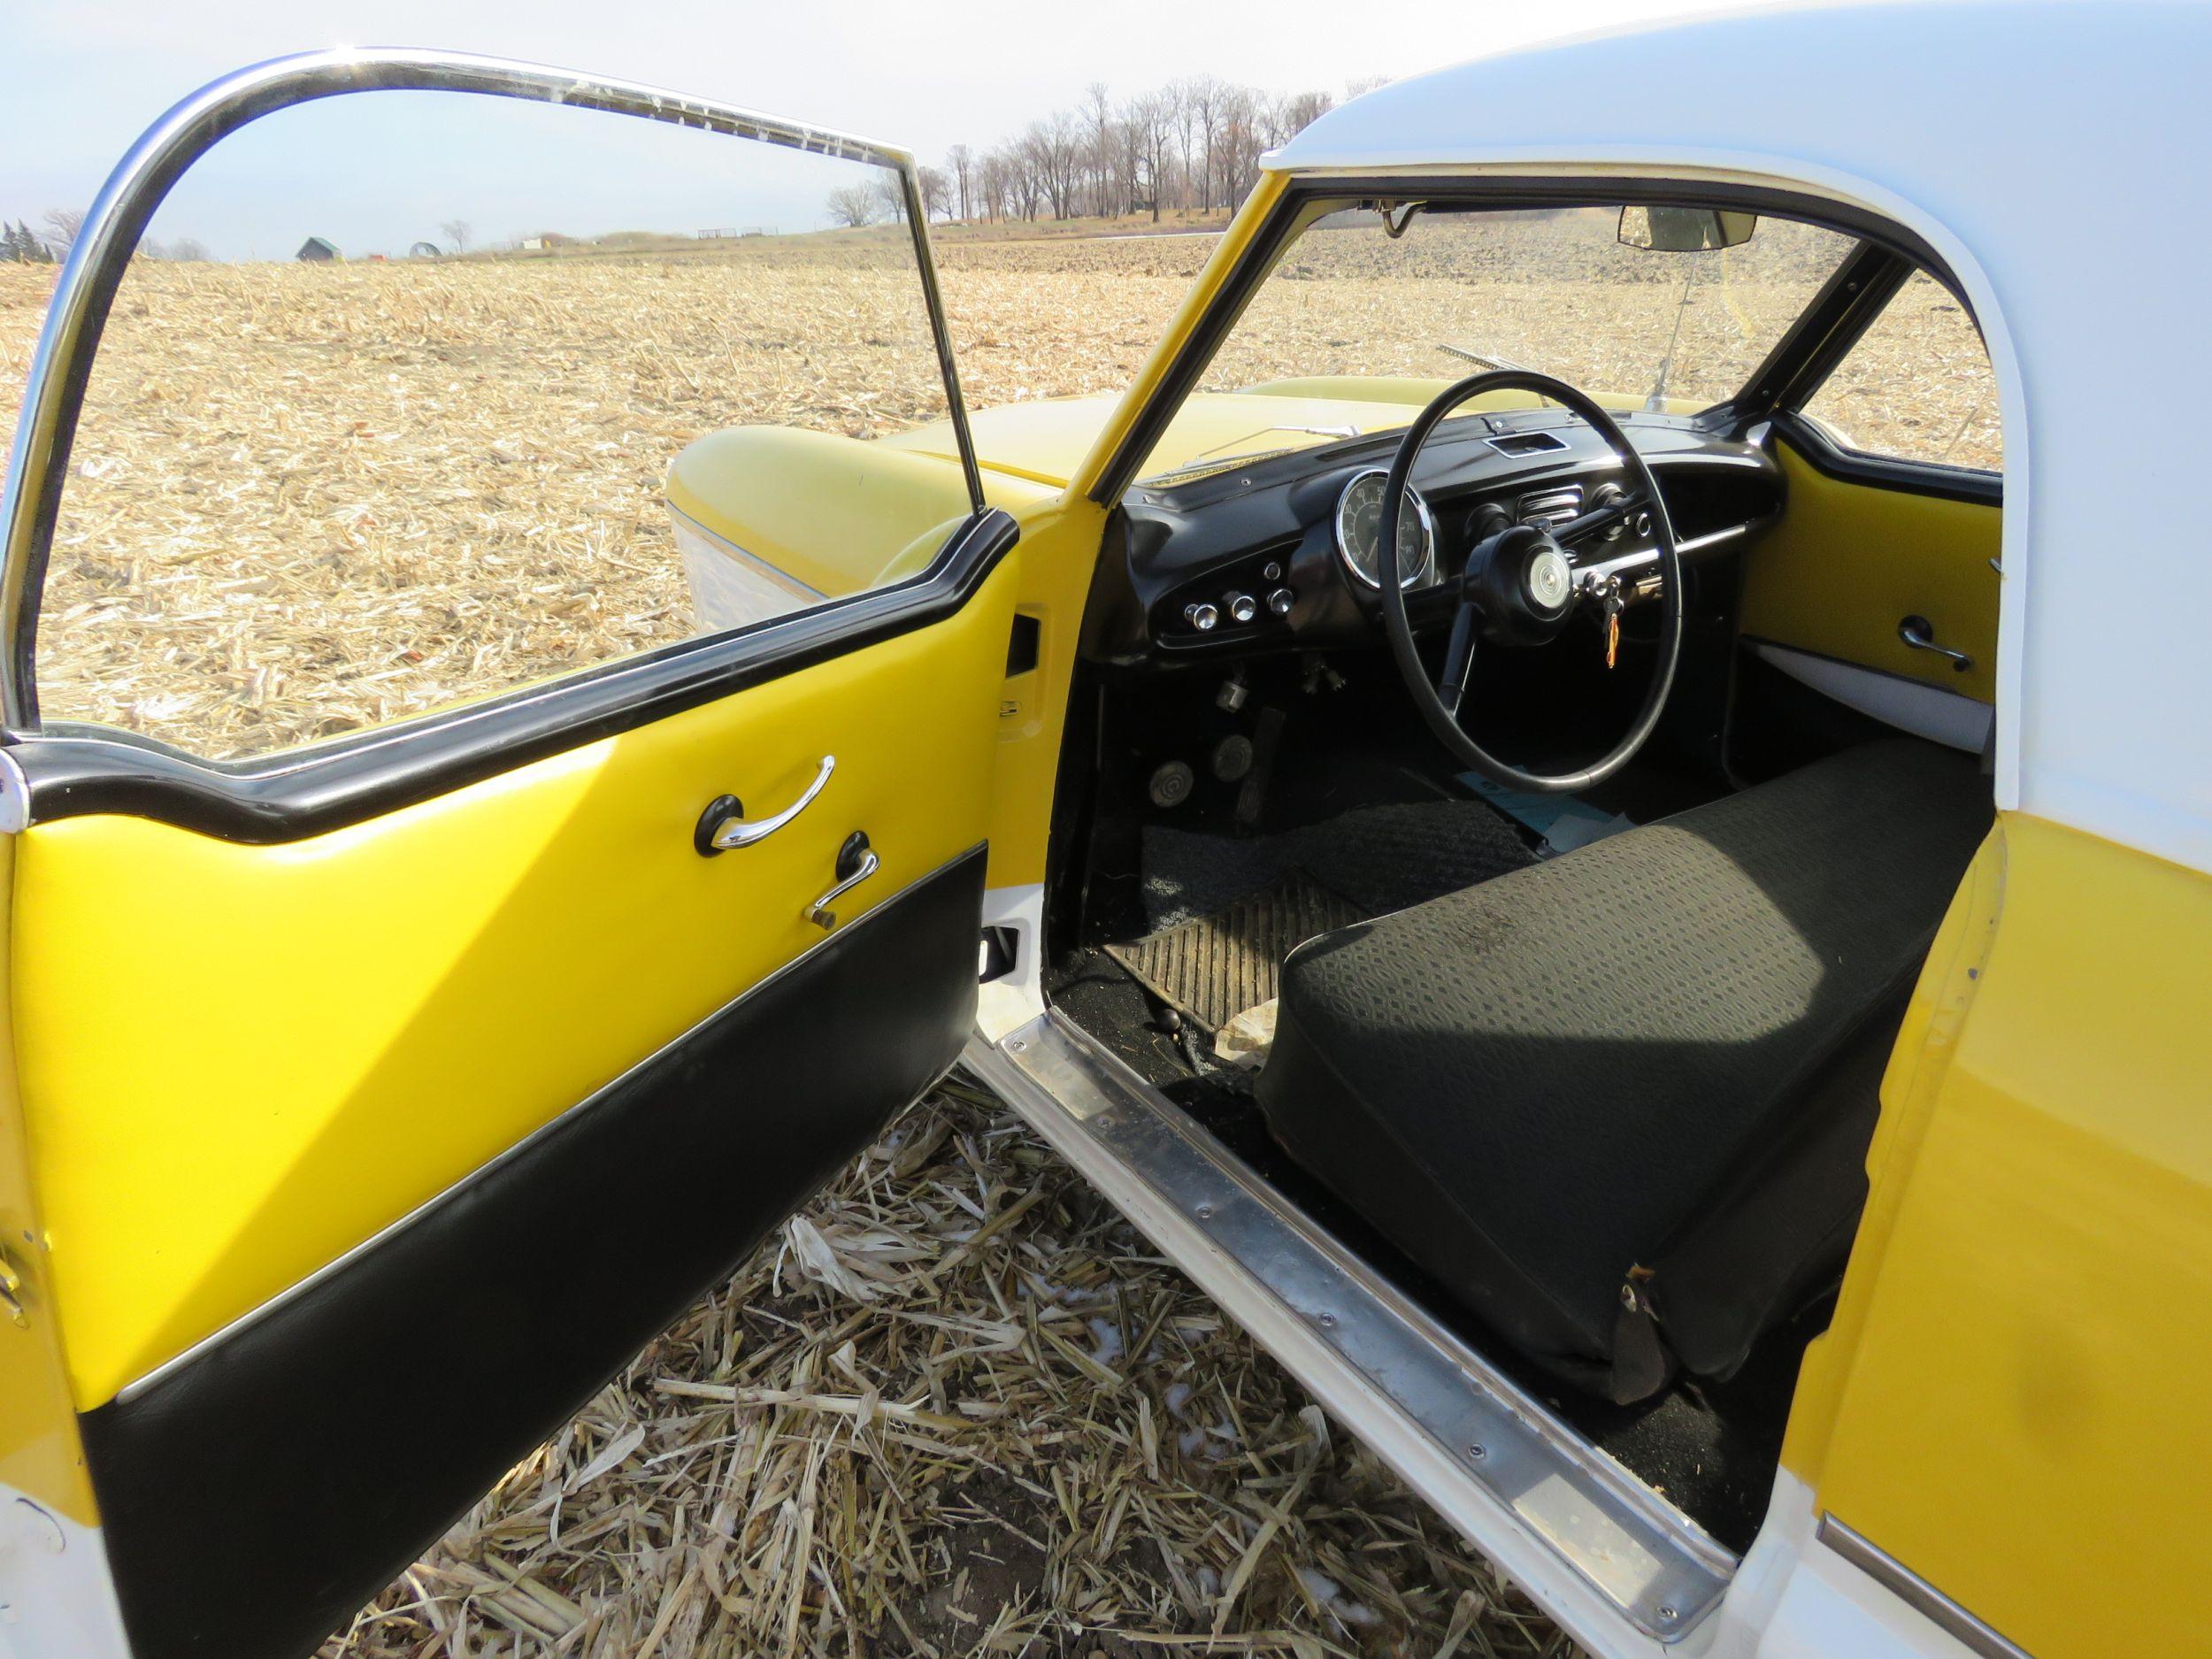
<point x="728" y="549"/>
<point x="1424" y="572"/>
<point x="1915" y="1592"/>
<point x="1642" y="1557"/>
<point x="54" y="390"/>
<point x="253" y="1316"/>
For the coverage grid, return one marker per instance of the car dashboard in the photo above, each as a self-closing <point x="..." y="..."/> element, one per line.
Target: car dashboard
<point x="1277" y="554"/>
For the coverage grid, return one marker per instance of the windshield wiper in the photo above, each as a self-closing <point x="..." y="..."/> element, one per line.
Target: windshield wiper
<point x="1480" y="359"/>
<point x="1346" y="431"/>
<point x="1201" y="463"/>
<point x="1197" y="468"/>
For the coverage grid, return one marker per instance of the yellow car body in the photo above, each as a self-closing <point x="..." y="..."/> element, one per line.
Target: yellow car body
<point x="1998" y="1445"/>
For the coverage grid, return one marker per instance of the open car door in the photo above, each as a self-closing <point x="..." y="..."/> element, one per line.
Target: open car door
<point x="376" y="1096"/>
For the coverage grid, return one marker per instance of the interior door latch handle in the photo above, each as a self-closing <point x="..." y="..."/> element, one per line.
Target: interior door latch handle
<point x="1919" y="633"/>
<point x="723" y="824"/>
<point x="857" y="861"/>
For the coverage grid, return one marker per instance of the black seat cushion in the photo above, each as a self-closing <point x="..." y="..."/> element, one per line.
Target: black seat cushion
<point x="1618" y="1103"/>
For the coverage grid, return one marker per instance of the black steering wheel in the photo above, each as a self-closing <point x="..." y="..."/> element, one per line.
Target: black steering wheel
<point x="1519" y="586"/>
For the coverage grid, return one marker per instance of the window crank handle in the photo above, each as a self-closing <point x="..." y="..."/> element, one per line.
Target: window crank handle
<point x="857" y="861"/>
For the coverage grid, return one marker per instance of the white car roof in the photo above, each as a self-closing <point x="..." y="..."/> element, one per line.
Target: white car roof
<point x="2055" y="156"/>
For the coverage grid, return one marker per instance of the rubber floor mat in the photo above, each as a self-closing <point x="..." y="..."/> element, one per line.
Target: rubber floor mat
<point x="1215" y="967"/>
<point x="1381" y="857"/>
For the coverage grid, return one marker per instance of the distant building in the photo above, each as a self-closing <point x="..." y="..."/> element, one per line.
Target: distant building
<point x="533" y="244"/>
<point x="423" y="251"/>
<point x="320" y="250"/>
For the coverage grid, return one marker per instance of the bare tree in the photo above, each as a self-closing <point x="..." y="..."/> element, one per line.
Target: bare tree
<point x="1152" y="131"/>
<point x="1300" y="110"/>
<point x="936" y="192"/>
<point x="185" y="248"/>
<point x="1055" y="148"/>
<point x="1360" y="86"/>
<point x="853" y="205"/>
<point x="891" y="197"/>
<point x="62" y="225"/>
<point x="960" y="160"/>
<point x="1207" y="102"/>
<point x="1195" y="143"/>
<point x="1098" y="117"/>
<point x="1250" y="125"/>
<point x="457" y="231"/>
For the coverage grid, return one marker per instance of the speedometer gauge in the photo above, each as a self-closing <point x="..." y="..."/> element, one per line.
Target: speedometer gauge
<point x="1359" y="532"/>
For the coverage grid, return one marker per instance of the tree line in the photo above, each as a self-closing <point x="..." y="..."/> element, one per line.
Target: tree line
<point x="50" y="245"/>
<point x="1193" y="146"/>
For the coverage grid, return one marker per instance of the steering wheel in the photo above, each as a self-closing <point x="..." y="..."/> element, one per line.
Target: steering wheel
<point x="1519" y="586"/>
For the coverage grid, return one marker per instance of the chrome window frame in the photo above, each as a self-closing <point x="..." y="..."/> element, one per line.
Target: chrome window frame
<point x="38" y="463"/>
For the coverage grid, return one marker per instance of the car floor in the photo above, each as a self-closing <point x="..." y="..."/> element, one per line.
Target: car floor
<point x="1378" y="827"/>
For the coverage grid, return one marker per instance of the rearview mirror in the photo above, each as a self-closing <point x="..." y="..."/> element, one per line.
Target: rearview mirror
<point x="1685" y="229"/>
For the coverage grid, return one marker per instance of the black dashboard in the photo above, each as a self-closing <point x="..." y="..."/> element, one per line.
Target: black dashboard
<point x="1252" y="559"/>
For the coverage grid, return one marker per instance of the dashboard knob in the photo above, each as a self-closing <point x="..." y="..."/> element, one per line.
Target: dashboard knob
<point x="1202" y="617"/>
<point x="1241" y="607"/>
<point x="1280" y="600"/>
<point x="1272" y="572"/>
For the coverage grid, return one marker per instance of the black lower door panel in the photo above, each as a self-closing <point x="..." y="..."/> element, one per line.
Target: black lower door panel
<point x="255" y="1495"/>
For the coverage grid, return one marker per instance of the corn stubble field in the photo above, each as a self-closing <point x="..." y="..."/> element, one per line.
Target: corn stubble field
<point x="957" y="1406"/>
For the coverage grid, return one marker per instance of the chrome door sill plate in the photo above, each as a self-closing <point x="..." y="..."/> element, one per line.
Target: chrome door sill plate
<point x="1531" y="1494"/>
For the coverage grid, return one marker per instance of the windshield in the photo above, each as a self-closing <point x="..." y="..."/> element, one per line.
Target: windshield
<point x="1355" y="330"/>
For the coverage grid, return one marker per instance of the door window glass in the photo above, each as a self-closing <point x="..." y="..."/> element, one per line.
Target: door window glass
<point x="410" y="399"/>
<point x="1917" y="385"/>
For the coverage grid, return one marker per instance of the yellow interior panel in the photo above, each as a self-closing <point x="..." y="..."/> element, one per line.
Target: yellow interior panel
<point x="40" y="1457"/>
<point x="1059" y="547"/>
<point x="238" y="1062"/>
<point x="1850" y="561"/>
<point x="2011" y="1399"/>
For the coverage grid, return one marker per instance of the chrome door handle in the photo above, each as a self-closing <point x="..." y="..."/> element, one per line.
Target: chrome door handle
<point x="1919" y="633"/>
<point x="857" y="861"/>
<point x="723" y="824"/>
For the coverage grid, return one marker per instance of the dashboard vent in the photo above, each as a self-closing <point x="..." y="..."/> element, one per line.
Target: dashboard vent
<point x="1526" y="443"/>
<point x="1549" y="506"/>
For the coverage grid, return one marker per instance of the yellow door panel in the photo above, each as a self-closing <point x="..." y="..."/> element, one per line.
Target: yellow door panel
<point x="238" y="1062"/>
<point x="40" y="1455"/>
<point x="1850" y="561"/>
<point x="2011" y="1399"/>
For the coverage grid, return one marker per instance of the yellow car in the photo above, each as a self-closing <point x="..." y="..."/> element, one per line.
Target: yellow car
<point x="1610" y="844"/>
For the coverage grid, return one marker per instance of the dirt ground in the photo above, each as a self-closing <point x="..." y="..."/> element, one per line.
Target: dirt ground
<point x="956" y="1406"/>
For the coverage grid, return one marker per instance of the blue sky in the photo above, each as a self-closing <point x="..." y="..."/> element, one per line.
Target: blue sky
<point x="79" y="79"/>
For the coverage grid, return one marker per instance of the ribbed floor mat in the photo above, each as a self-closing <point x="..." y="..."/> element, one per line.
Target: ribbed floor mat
<point x="1381" y="857"/>
<point x="1216" y="966"/>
